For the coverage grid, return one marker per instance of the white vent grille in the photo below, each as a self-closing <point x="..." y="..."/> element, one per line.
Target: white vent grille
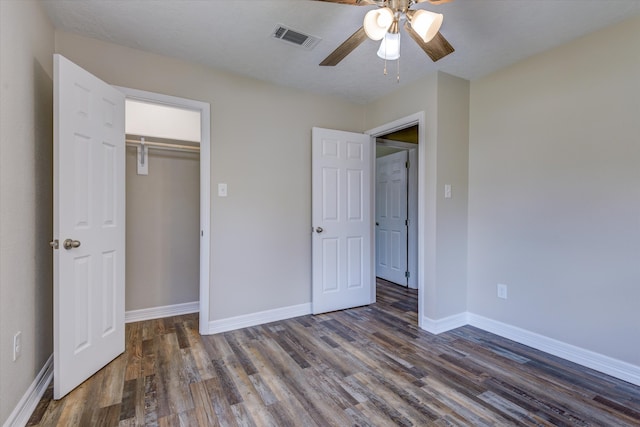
<point x="294" y="37"/>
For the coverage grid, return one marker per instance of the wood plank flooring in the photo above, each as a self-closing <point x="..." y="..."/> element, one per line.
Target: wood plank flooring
<point x="369" y="366"/>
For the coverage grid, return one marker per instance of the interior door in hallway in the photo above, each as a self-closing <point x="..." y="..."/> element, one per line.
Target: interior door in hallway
<point x="391" y="218"/>
<point x="89" y="224"/>
<point x="342" y="252"/>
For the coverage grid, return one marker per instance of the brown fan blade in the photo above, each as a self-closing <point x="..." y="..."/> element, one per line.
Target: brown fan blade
<point x="356" y="2"/>
<point x="345" y="48"/>
<point x="430" y="1"/>
<point x="437" y="48"/>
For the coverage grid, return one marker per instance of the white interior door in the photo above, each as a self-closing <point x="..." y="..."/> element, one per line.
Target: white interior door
<point x="89" y="211"/>
<point x="341" y="220"/>
<point x="391" y="218"/>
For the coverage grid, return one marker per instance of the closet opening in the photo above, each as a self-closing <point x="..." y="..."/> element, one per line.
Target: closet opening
<point x="167" y="205"/>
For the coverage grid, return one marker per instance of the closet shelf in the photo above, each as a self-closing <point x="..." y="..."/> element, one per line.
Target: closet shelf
<point x="163" y="145"/>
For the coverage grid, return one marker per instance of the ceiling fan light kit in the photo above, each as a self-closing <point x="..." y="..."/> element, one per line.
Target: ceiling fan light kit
<point x="383" y="24"/>
<point x="377" y="22"/>
<point x="425" y="23"/>
<point x="390" y="47"/>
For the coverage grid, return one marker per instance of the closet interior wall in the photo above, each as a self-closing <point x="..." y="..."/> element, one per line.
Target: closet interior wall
<point x="163" y="223"/>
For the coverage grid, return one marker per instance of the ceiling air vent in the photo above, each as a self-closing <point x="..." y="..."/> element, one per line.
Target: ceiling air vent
<point x="295" y="37"/>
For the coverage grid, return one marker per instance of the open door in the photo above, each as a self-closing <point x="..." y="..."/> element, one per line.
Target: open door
<point x="392" y="219"/>
<point x="341" y="219"/>
<point x="89" y="225"/>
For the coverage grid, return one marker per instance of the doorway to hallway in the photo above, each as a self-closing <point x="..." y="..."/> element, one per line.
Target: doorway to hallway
<point x="396" y="207"/>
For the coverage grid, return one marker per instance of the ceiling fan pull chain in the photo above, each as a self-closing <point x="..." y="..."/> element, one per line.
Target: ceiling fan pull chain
<point x="385" y="58"/>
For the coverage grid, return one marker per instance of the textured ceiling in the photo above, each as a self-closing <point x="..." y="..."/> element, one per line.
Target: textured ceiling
<point x="235" y="35"/>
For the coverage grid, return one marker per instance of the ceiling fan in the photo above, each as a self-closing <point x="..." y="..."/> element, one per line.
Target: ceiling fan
<point x="383" y="24"/>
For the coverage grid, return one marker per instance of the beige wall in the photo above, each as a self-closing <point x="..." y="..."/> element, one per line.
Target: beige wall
<point x="261" y="244"/>
<point x="26" y="111"/>
<point x="444" y="100"/>
<point x="451" y="214"/>
<point x="554" y="202"/>
<point x="163" y="223"/>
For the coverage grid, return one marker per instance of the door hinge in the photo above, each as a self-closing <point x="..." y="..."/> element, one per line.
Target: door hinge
<point x="406" y="222"/>
<point x="406" y="165"/>
<point x="407" y="274"/>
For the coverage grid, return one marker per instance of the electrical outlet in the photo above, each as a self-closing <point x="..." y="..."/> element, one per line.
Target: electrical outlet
<point x="502" y="291"/>
<point x="17" y="345"/>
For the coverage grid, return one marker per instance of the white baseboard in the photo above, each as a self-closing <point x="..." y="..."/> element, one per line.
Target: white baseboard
<point x="22" y="412"/>
<point x="162" y="311"/>
<point x="443" y="325"/>
<point x="605" y="364"/>
<point x="259" y="318"/>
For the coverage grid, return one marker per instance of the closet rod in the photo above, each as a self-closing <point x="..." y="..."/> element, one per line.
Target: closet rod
<point x="163" y="146"/>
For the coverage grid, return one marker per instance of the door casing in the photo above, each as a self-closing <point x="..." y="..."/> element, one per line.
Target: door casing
<point x="426" y="184"/>
<point x="205" y="185"/>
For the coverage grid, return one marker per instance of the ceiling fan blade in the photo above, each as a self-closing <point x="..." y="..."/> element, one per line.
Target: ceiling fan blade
<point x="430" y="1"/>
<point x="437" y="48"/>
<point x="356" y="2"/>
<point x="345" y="48"/>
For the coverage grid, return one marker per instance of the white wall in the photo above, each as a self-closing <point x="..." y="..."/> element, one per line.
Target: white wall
<point x="26" y="225"/>
<point x="260" y="147"/>
<point x="554" y="197"/>
<point x="444" y="100"/>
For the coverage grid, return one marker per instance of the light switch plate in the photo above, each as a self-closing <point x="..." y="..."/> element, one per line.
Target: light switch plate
<point x="502" y="291"/>
<point x="17" y="345"/>
<point x="222" y="190"/>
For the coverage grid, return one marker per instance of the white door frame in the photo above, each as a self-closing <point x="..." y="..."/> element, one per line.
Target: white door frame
<point x="399" y="124"/>
<point x="205" y="184"/>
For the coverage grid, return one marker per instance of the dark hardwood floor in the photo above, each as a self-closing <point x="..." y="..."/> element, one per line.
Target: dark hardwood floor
<point x="369" y="366"/>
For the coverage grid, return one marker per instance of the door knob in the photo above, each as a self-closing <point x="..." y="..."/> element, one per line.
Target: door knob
<point x="319" y="229"/>
<point x="70" y="244"/>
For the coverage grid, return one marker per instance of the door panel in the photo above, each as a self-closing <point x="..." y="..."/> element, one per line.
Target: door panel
<point x="330" y="264"/>
<point x="89" y="197"/>
<point x="341" y="218"/>
<point x="355" y="255"/>
<point x="391" y="218"/>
